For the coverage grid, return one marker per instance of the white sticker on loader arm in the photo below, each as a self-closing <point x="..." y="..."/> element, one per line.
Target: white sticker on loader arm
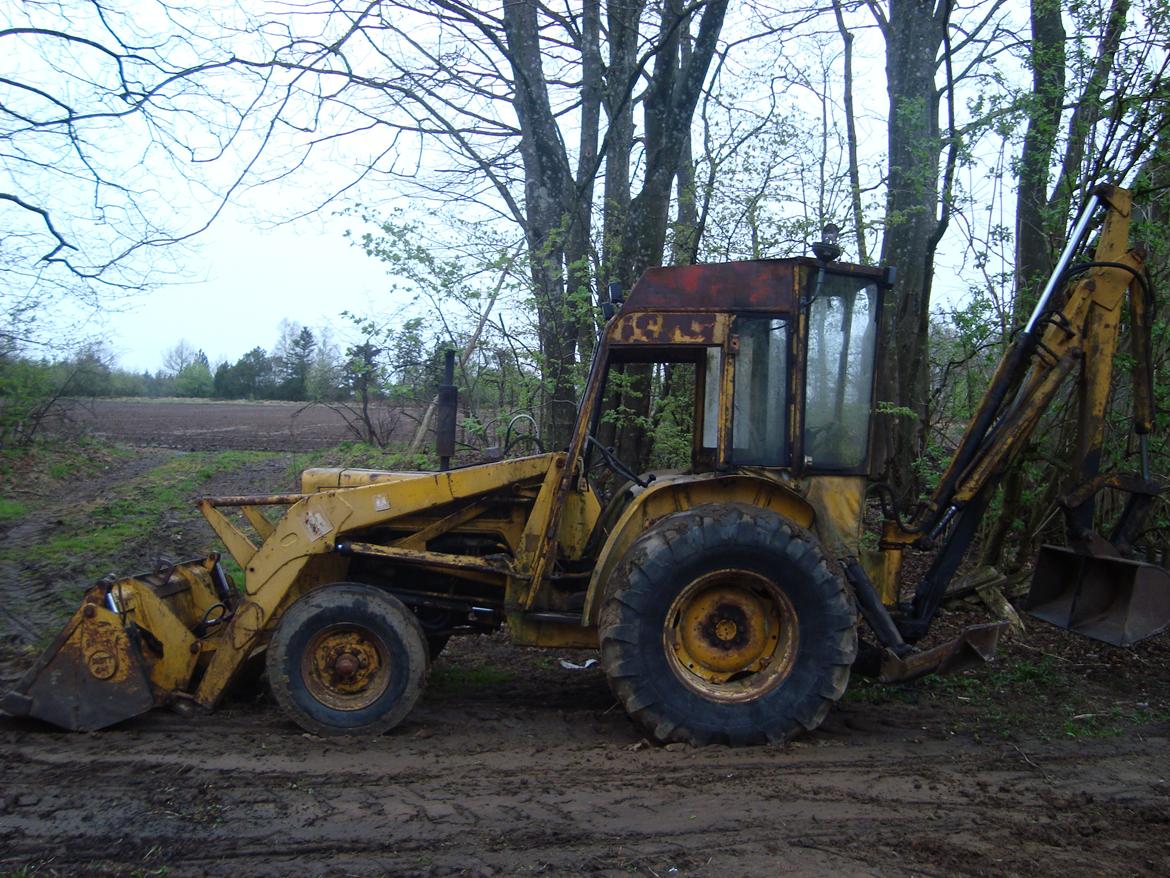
<point x="381" y="503"/>
<point x="317" y="525"/>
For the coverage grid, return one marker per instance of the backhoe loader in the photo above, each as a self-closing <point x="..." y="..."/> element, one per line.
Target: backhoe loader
<point x="726" y="598"/>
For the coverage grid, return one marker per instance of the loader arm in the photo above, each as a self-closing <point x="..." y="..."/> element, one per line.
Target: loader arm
<point x="302" y="548"/>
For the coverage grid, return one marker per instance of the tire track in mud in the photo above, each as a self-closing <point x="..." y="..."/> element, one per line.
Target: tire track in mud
<point x="409" y="805"/>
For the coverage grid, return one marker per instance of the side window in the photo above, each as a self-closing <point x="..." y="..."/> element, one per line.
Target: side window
<point x="656" y="398"/>
<point x="759" y="425"/>
<point x="842" y="326"/>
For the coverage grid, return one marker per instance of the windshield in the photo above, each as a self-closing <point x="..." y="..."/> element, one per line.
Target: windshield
<point x="842" y="328"/>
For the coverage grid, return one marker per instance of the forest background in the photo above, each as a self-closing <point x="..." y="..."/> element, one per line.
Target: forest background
<point x="506" y="163"/>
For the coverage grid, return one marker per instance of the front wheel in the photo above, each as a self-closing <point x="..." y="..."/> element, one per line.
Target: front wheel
<point x="347" y="659"/>
<point x="724" y="624"/>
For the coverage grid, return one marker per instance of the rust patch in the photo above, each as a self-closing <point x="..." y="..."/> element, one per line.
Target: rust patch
<point x="104" y="649"/>
<point x="650" y="328"/>
<point x="763" y="285"/>
<point x="102" y="664"/>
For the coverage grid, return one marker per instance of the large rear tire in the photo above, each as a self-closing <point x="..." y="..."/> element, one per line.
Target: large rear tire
<point x="347" y="659"/>
<point x="724" y="624"/>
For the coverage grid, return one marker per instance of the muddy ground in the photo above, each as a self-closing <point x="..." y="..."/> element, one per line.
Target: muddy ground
<point x="1051" y="763"/>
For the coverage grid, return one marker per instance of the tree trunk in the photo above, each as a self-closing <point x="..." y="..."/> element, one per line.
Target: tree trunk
<point x="549" y="187"/>
<point x="668" y="106"/>
<point x="1033" y="221"/>
<point x="914" y="35"/>
<point x="851" y="137"/>
<point x="1042" y="218"/>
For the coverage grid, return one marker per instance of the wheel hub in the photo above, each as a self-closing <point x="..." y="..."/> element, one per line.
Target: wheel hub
<point x="731" y="634"/>
<point x="726" y="630"/>
<point x="346" y="667"/>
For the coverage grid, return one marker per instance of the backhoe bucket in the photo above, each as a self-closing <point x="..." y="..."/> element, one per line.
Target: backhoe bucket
<point x="1107" y="598"/>
<point x="132" y="645"/>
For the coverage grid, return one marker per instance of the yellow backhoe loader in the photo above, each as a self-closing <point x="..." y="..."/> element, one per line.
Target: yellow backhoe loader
<point x="725" y="599"/>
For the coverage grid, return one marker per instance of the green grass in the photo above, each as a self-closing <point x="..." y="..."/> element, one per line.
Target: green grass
<point x="1013" y="677"/>
<point x="1016" y="696"/>
<point x="477" y="677"/>
<point x="58" y="460"/>
<point x="865" y="691"/>
<point x="1110" y="722"/>
<point x="10" y="509"/>
<point x="96" y="533"/>
<point x="134" y="518"/>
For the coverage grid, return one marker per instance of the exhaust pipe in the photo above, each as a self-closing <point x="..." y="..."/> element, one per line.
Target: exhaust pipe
<point x="447" y="411"/>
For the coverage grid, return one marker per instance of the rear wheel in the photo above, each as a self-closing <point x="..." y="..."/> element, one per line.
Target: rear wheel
<point x="347" y="659"/>
<point x="724" y="624"/>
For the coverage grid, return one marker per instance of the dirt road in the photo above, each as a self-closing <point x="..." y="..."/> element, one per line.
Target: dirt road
<point x="1052" y="763"/>
<point x="534" y="771"/>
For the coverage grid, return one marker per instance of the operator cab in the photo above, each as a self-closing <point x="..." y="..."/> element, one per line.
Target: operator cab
<point x="767" y="363"/>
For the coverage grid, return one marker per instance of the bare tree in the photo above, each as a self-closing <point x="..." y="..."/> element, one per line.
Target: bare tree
<point x="178" y="358"/>
<point x="124" y="129"/>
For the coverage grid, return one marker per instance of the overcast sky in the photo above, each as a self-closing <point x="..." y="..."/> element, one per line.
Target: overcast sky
<point x="245" y="280"/>
<point x="241" y="279"/>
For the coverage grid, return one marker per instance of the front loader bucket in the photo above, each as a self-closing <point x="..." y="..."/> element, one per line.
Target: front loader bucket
<point x="1107" y="598"/>
<point x="91" y="676"/>
<point x="133" y="644"/>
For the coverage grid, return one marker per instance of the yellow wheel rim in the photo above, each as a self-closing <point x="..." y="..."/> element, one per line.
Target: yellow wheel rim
<point x="346" y="667"/>
<point x="731" y="635"/>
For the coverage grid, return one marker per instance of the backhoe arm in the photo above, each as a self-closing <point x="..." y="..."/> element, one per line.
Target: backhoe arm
<point x="1082" y="328"/>
<point x="1075" y="323"/>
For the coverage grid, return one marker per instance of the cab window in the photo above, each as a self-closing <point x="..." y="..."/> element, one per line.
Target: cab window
<point x="759" y="421"/>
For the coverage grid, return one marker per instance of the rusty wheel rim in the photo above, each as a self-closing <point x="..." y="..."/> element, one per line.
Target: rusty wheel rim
<point x="346" y="667"/>
<point x="731" y="635"/>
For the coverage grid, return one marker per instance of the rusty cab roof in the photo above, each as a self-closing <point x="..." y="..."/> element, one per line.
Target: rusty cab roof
<point x="770" y="285"/>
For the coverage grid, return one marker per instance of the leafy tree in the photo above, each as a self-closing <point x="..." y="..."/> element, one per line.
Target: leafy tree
<point x="89" y="372"/>
<point x="296" y="364"/>
<point x="195" y="378"/>
<point x="250" y="377"/>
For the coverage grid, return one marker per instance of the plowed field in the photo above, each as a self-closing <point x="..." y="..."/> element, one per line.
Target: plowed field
<point x="201" y="425"/>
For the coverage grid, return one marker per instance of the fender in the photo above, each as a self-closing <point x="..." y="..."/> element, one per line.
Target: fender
<point x="676" y="493"/>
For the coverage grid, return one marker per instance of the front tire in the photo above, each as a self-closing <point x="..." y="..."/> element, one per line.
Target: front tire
<point x="347" y="659"/>
<point x="724" y="624"/>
